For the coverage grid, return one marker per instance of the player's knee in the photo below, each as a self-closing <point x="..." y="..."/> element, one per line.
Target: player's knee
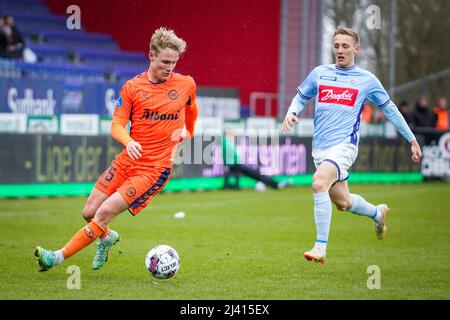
<point x="88" y="212"/>
<point x="318" y="184"/>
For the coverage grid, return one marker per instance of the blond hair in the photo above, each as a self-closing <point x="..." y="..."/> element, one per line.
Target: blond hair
<point x="166" y="38"/>
<point x="347" y="32"/>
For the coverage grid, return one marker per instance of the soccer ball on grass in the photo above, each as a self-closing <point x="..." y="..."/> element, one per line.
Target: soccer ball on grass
<point x="162" y="261"/>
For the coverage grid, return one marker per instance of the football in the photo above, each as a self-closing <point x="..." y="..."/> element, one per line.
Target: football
<point x="162" y="261"/>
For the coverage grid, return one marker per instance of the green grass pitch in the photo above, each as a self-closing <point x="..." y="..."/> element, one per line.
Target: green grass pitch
<point x="238" y="245"/>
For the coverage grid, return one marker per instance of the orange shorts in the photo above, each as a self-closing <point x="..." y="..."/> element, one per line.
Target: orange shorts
<point x="138" y="186"/>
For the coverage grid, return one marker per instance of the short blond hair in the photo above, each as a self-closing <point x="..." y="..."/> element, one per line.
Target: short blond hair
<point x="348" y="32"/>
<point x="166" y="38"/>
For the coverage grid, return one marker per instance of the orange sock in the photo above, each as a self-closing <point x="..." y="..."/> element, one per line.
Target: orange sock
<point x="105" y="233"/>
<point x="84" y="237"/>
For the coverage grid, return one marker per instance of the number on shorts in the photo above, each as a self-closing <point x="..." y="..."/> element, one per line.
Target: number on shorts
<point x="109" y="174"/>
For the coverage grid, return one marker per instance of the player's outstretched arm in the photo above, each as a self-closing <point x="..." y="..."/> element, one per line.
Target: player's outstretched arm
<point x="289" y="121"/>
<point x="394" y="116"/>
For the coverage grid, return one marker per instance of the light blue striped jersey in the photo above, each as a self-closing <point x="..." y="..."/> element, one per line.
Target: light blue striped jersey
<point x="340" y="95"/>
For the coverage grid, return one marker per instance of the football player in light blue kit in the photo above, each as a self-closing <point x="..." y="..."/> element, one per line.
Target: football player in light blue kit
<point x="340" y="91"/>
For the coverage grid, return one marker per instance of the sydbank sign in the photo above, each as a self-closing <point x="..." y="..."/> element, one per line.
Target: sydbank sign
<point x="48" y="97"/>
<point x="29" y="104"/>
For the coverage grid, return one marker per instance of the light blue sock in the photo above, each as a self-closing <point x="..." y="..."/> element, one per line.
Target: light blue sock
<point x="59" y="257"/>
<point x="322" y="216"/>
<point x="363" y="208"/>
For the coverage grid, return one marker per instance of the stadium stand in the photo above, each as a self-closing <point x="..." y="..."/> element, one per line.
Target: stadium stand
<point x="66" y="53"/>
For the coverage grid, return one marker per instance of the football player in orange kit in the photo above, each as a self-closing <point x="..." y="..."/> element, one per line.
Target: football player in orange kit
<point x="159" y="104"/>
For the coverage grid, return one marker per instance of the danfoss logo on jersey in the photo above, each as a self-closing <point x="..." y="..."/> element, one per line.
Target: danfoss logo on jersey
<point x="152" y="115"/>
<point x="338" y="95"/>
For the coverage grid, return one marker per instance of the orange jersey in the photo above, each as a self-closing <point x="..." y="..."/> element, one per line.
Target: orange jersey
<point x="157" y="115"/>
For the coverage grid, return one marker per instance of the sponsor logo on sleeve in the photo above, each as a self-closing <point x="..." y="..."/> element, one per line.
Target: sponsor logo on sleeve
<point x="119" y="102"/>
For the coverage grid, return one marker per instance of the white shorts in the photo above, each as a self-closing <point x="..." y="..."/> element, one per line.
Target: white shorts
<point x="342" y="156"/>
